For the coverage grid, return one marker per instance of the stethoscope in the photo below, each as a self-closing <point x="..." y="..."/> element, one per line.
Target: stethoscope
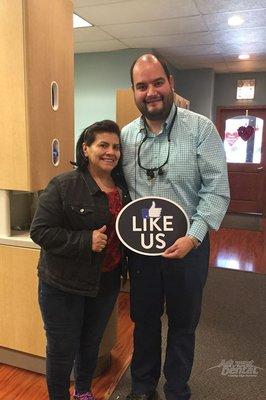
<point x="150" y="172"/>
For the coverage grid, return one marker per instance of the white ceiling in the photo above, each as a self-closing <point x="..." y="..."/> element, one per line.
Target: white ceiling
<point x="188" y="33"/>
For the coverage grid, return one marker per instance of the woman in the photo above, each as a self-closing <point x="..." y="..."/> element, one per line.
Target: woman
<point x="80" y="261"/>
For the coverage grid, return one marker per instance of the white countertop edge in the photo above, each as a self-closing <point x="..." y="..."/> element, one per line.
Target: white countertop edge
<point x="19" y="239"/>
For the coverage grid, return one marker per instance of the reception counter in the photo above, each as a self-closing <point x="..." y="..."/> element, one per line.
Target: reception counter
<point x="22" y="337"/>
<point x="18" y="239"/>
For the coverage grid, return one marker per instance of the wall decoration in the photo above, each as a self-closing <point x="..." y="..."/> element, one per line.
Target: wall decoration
<point x="246" y="132"/>
<point x="245" y="89"/>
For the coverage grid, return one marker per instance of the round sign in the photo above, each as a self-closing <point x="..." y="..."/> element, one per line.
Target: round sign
<point x="149" y="225"/>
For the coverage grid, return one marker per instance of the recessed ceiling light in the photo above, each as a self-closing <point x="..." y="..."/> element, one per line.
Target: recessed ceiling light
<point x="79" y="22"/>
<point x="236" y="20"/>
<point x="244" y="56"/>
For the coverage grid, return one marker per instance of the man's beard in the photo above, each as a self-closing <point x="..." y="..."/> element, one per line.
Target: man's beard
<point x="160" y="114"/>
<point x="156" y="115"/>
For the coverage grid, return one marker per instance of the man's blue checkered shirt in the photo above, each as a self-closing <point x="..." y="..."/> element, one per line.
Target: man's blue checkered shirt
<point x="195" y="175"/>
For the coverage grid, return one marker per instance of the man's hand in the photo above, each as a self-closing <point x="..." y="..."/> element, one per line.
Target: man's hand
<point x="99" y="239"/>
<point x="179" y="249"/>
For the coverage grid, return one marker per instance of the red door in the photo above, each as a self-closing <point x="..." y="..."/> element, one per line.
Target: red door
<point x="244" y="136"/>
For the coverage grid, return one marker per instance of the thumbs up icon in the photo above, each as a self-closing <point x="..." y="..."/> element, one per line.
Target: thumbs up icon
<point x="154" y="212"/>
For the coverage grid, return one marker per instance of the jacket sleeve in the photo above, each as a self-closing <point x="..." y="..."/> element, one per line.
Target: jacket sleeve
<point x="48" y="228"/>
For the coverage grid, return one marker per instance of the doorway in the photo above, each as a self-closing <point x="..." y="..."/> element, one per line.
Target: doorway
<point x="243" y="132"/>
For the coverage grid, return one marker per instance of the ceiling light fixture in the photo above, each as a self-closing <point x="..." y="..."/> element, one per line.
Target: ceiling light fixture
<point x="79" y="22"/>
<point x="236" y="20"/>
<point x="244" y="56"/>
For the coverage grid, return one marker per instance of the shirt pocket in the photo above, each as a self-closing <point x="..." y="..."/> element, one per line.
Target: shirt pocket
<point x="183" y="167"/>
<point x="179" y="173"/>
<point x="82" y="209"/>
<point x="80" y="216"/>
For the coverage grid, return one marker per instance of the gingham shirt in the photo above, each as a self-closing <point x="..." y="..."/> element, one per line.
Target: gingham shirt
<point x="195" y="175"/>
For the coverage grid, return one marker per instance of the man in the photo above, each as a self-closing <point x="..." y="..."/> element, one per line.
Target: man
<point x="176" y="154"/>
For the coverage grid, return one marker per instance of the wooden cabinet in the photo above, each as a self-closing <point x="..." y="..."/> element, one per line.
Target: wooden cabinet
<point x="126" y="109"/>
<point x="36" y="40"/>
<point x="20" y="317"/>
<point x="181" y="101"/>
<point x="20" y="320"/>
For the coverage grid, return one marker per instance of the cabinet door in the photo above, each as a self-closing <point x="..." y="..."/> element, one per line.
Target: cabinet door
<point x="127" y="111"/>
<point x="49" y="58"/>
<point x="35" y="54"/>
<point x="20" y="319"/>
<point x="13" y="160"/>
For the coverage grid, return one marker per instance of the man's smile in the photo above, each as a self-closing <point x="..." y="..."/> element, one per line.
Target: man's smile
<point x="153" y="100"/>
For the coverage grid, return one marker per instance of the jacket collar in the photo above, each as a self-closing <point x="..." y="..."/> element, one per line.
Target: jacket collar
<point x="94" y="188"/>
<point x="90" y="182"/>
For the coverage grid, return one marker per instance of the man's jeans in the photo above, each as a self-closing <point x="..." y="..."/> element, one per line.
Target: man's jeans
<point x="177" y="285"/>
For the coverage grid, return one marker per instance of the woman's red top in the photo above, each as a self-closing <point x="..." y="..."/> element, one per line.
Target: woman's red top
<point x="113" y="254"/>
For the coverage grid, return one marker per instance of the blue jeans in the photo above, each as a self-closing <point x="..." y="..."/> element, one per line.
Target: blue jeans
<point x="177" y="285"/>
<point x="74" y="328"/>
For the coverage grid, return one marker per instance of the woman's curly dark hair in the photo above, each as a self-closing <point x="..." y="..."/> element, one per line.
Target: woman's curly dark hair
<point x="88" y="136"/>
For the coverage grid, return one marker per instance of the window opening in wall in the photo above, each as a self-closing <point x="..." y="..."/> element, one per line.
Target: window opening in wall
<point x="243" y="139"/>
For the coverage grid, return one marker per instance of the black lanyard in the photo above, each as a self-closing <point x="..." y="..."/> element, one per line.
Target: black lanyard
<point x="150" y="172"/>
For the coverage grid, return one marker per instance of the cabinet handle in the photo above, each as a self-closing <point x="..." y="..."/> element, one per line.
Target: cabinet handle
<point x="55" y="152"/>
<point x="54" y="96"/>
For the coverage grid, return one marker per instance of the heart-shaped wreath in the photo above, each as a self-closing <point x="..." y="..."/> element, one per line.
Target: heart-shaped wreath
<point x="246" y="132"/>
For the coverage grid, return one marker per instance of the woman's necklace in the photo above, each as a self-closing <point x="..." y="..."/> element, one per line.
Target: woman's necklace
<point x="105" y="185"/>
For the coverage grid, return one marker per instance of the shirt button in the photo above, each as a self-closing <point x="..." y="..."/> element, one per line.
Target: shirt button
<point x="82" y="210"/>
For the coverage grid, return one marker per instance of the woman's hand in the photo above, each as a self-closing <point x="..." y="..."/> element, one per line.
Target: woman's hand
<point x="179" y="249"/>
<point x="99" y="239"/>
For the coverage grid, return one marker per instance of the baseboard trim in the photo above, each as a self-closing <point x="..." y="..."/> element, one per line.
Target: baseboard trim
<point x="37" y="364"/>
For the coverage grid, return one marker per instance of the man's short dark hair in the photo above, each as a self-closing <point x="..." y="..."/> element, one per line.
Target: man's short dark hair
<point x="161" y="60"/>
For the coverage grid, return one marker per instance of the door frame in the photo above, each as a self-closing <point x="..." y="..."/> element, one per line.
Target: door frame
<point x="219" y="110"/>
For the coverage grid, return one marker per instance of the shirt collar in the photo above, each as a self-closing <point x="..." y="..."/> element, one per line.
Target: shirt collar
<point x="170" y="116"/>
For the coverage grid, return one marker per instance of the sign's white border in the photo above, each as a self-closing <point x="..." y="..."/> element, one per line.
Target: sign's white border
<point x="135" y="201"/>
